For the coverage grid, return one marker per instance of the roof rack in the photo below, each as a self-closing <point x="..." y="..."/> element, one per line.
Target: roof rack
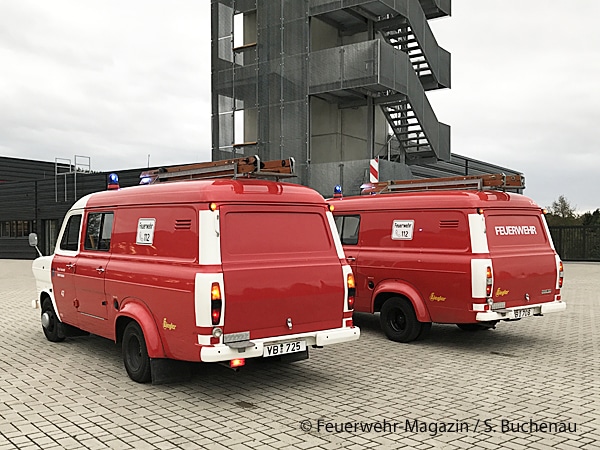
<point x="497" y="181"/>
<point x="247" y="167"/>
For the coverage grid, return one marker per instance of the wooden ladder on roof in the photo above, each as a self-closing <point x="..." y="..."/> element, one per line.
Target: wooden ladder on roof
<point x="247" y="167"/>
<point x="496" y="181"/>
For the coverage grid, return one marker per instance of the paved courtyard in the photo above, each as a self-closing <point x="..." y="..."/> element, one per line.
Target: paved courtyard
<point x="532" y="384"/>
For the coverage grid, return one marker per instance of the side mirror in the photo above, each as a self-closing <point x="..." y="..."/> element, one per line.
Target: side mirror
<point x="33" y="239"/>
<point x="33" y="242"/>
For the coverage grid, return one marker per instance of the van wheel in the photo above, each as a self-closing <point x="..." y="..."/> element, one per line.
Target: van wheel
<point x="135" y="354"/>
<point x="398" y="320"/>
<point x="470" y="326"/>
<point x="425" y="328"/>
<point x="50" y="322"/>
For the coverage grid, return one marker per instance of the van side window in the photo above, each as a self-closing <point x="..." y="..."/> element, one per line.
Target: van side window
<point x="348" y="227"/>
<point x="98" y="231"/>
<point x="70" y="238"/>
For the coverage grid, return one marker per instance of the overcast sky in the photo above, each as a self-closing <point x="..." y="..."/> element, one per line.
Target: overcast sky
<point x="120" y="80"/>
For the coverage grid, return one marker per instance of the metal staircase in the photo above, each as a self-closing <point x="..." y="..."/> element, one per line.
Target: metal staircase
<point x="407" y="128"/>
<point x="406" y="42"/>
<point x="403" y="38"/>
<point x="407" y="30"/>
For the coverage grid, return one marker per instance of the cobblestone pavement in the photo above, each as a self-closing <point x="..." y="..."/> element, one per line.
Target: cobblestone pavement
<point x="488" y="390"/>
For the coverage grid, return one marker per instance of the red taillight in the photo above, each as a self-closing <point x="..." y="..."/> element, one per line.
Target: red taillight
<point x="560" y="274"/>
<point x="215" y="303"/>
<point x="216" y="313"/>
<point x="488" y="281"/>
<point x="239" y="362"/>
<point x="351" y="290"/>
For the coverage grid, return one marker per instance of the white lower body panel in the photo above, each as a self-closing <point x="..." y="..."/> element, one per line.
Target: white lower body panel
<point x="514" y="313"/>
<point x="222" y="352"/>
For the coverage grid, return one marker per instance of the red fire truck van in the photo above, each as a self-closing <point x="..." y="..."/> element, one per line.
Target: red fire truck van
<point x="456" y="250"/>
<point x="214" y="270"/>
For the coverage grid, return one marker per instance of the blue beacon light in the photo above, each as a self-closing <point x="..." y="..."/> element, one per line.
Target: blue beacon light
<point x="113" y="181"/>
<point x="337" y="191"/>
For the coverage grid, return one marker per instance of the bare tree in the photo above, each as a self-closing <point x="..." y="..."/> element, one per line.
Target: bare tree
<point x="562" y="208"/>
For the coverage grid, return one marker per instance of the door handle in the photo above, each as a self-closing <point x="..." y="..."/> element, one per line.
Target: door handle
<point x="350" y="258"/>
<point x="70" y="265"/>
<point x="100" y="270"/>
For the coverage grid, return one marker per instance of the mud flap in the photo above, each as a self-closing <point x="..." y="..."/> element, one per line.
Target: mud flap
<point x="293" y="357"/>
<point x="166" y="371"/>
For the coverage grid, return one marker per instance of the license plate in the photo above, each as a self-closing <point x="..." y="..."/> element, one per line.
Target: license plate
<point x="284" y="348"/>
<point x="523" y="313"/>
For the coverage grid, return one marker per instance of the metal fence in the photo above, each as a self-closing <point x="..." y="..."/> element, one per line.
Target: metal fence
<point x="577" y="243"/>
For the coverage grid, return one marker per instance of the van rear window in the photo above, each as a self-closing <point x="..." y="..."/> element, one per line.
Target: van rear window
<point x="506" y="230"/>
<point x="275" y="232"/>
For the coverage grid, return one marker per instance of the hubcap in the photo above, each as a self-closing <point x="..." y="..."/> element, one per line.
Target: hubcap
<point x="46" y="320"/>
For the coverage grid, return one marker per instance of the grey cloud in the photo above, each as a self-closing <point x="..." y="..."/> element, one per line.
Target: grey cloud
<point x="120" y="80"/>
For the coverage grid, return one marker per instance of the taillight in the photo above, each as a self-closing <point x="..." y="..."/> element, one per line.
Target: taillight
<point x="488" y="281"/>
<point x="351" y="290"/>
<point x="560" y="274"/>
<point x="215" y="303"/>
<point x="238" y="362"/>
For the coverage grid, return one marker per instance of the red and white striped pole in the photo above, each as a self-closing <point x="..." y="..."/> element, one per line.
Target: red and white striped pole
<point x="374" y="171"/>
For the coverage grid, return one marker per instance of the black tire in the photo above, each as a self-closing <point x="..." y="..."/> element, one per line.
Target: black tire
<point x="470" y="327"/>
<point x="398" y="320"/>
<point x="52" y="331"/>
<point x="425" y="328"/>
<point x="135" y="353"/>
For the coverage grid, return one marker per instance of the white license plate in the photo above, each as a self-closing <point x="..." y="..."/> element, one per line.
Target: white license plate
<point x="284" y="348"/>
<point x="523" y="313"/>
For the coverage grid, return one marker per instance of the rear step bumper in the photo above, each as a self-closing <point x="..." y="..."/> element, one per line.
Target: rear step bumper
<point x="517" y="313"/>
<point x="222" y="352"/>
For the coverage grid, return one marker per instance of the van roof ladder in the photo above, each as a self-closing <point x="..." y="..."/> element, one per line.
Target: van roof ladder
<point x="247" y="167"/>
<point x="496" y="181"/>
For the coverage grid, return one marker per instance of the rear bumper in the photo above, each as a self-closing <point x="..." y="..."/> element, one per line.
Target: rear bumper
<point x="509" y="313"/>
<point x="222" y="352"/>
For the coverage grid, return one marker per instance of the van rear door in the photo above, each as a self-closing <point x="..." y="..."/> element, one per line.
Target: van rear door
<point x="281" y="271"/>
<point x="523" y="259"/>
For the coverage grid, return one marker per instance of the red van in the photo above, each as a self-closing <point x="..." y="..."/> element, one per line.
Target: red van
<point x="209" y="270"/>
<point x="467" y="257"/>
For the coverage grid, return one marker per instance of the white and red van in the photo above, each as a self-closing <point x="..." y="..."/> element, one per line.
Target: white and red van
<point x="210" y="270"/>
<point x="466" y="257"/>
